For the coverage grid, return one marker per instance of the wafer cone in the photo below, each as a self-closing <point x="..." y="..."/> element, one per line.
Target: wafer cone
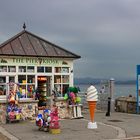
<point x="92" y="106"/>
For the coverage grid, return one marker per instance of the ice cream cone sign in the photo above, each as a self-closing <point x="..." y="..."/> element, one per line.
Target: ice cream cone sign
<point x="92" y="98"/>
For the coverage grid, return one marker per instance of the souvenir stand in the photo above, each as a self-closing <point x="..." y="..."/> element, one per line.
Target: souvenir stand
<point x="73" y="102"/>
<point x="39" y="67"/>
<point x="13" y="110"/>
<point x="69" y="106"/>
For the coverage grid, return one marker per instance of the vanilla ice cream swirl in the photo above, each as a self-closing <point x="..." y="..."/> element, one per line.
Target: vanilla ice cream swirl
<point x="92" y="94"/>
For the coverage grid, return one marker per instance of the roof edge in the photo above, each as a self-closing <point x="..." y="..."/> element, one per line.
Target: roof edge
<point x="57" y="46"/>
<point x="12" y="38"/>
<point x="78" y="57"/>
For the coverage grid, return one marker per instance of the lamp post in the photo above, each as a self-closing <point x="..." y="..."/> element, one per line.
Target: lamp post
<point x="110" y="107"/>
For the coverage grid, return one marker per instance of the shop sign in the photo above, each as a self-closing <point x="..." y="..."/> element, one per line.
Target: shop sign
<point x="30" y="61"/>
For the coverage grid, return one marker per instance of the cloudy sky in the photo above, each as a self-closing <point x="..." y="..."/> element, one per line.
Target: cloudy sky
<point x="105" y="33"/>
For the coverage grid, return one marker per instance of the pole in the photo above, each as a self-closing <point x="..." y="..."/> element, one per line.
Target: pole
<point x="111" y="86"/>
<point x="111" y="105"/>
<point x="137" y="90"/>
<point x="108" y="107"/>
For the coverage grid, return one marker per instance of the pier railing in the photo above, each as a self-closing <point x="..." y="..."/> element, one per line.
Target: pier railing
<point x="101" y="104"/>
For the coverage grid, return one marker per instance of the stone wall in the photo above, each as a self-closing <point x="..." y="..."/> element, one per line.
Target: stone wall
<point x="125" y="104"/>
<point x="3" y="112"/>
<point x="28" y="109"/>
<point x="66" y="111"/>
<point x="63" y="109"/>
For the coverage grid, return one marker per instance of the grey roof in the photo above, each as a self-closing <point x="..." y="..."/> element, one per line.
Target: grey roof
<point x="29" y="44"/>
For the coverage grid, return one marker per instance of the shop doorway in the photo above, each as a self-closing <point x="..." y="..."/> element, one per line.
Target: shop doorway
<point x="44" y="89"/>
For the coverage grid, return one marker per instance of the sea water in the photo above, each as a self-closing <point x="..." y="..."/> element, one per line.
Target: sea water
<point x="119" y="90"/>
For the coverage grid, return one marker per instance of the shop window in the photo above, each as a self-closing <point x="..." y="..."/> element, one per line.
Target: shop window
<point x="22" y="79"/>
<point x="40" y="69"/>
<point x="65" y="89"/>
<point x="3" y="68"/>
<point x="11" y="68"/>
<point x="61" y="69"/>
<point x="48" y="69"/>
<point x="11" y="79"/>
<point x="61" y="89"/>
<point x="57" y="89"/>
<point x="2" y="79"/>
<point x="57" y="79"/>
<point x="65" y="79"/>
<point x="30" y="78"/>
<point x="2" y="85"/>
<point x="2" y="89"/>
<point x="57" y="69"/>
<point x="65" y="70"/>
<point x="22" y="91"/>
<point x="22" y="69"/>
<point x="61" y="84"/>
<point x="26" y="86"/>
<point x="30" y="69"/>
<point x="30" y="91"/>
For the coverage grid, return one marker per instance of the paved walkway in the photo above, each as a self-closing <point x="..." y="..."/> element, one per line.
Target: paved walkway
<point x="3" y="137"/>
<point x="119" y="126"/>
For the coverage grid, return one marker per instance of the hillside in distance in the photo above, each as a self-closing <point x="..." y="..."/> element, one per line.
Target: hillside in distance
<point x="88" y="80"/>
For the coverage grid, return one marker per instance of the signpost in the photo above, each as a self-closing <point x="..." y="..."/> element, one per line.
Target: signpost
<point x="138" y="88"/>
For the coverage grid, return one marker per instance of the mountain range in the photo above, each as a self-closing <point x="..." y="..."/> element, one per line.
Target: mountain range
<point x="89" y="80"/>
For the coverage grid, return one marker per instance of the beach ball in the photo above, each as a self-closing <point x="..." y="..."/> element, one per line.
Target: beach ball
<point x="48" y="119"/>
<point x="66" y="96"/>
<point x="78" y="99"/>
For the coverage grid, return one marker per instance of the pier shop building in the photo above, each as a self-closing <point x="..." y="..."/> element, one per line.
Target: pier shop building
<point x="34" y="65"/>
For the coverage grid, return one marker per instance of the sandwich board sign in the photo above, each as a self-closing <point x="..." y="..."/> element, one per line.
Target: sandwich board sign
<point x="138" y="88"/>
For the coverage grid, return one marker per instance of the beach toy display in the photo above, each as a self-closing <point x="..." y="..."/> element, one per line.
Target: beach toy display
<point x="43" y="120"/>
<point x="49" y="121"/>
<point x="13" y="110"/>
<point x="71" y="96"/>
<point x="92" y="99"/>
<point x="74" y="102"/>
<point x="54" y="123"/>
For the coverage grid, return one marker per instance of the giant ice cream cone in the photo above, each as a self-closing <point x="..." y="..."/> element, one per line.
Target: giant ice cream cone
<point x="92" y="106"/>
<point x="92" y="98"/>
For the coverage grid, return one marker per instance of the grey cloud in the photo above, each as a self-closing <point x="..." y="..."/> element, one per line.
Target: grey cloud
<point x="104" y="32"/>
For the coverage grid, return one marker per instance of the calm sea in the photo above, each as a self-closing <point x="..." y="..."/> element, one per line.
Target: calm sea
<point x="119" y="90"/>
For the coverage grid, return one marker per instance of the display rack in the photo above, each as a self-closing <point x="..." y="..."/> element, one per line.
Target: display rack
<point x="13" y="110"/>
<point x="42" y="90"/>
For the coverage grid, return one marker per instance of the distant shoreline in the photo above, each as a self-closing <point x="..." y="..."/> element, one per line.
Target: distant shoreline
<point x="100" y="84"/>
<point x="87" y="81"/>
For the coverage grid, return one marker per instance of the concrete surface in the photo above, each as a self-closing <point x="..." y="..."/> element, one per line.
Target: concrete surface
<point x="118" y="126"/>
